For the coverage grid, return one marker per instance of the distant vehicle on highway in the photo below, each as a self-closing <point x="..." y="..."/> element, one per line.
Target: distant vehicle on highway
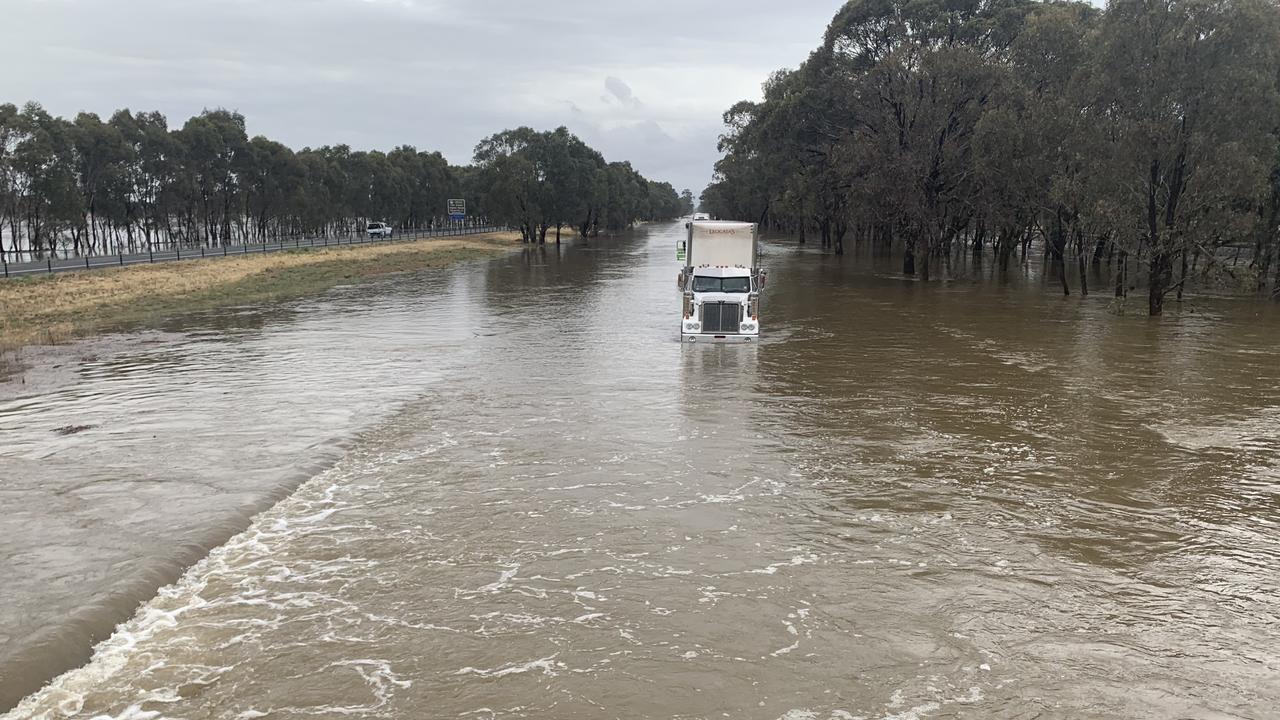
<point x="377" y="229"/>
<point x="701" y="216"/>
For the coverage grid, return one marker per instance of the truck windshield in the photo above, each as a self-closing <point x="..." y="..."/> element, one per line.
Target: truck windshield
<point x="721" y="285"/>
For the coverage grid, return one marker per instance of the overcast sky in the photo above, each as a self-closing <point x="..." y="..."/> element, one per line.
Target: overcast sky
<point x="644" y="81"/>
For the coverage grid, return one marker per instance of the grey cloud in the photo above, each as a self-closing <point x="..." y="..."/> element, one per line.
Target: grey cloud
<point x="436" y="74"/>
<point x="622" y="92"/>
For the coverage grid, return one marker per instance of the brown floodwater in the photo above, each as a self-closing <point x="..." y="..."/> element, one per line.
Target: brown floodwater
<point x="506" y="491"/>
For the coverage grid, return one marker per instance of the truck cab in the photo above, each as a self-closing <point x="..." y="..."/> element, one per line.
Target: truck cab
<point x="720" y="283"/>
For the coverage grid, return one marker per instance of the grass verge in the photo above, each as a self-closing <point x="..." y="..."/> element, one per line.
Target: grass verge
<point x="53" y="309"/>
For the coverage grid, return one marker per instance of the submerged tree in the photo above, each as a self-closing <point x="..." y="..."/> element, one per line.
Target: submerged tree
<point x="1144" y="131"/>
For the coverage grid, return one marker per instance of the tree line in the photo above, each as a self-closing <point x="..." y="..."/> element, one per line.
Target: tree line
<point x="537" y="181"/>
<point x="1145" y="135"/>
<point x="131" y="183"/>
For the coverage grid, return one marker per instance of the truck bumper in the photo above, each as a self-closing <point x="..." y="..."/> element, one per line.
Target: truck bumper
<point x="711" y="339"/>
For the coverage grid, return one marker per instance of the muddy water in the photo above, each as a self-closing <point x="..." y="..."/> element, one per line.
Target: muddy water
<point x="908" y="502"/>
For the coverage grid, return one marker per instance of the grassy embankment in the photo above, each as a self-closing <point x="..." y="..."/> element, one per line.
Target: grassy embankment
<point x="53" y="309"/>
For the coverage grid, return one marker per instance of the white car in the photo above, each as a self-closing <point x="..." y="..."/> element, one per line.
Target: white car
<point x="377" y="229"/>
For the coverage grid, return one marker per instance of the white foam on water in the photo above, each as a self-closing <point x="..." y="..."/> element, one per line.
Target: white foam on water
<point x="582" y="486"/>
<point x="379" y="675"/>
<point x="1029" y="362"/>
<point x="133" y="712"/>
<point x="793" y="562"/>
<point x="255" y="546"/>
<point x="806" y="714"/>
<point x="918" y="712"/>
<point x="915" y="713"/>
<point x="786" y="650"/>
<point x="504" y="580"/>
<point x="316" y="518"/>
<point x="547" y="665"/>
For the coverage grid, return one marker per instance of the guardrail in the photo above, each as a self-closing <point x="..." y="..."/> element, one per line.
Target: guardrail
<point x="52" y="265"/>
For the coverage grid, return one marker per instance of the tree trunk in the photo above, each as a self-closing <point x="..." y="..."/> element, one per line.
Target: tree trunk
<point x="1099" y="250"/>
<point x="1122" y="268"/>
<point x="1275" y="283"/>
<point x="1161" y="271"/>
<point x="1182" y="277"/>
<point x="1057" y="251"/>
<point x="1084" y="276"/>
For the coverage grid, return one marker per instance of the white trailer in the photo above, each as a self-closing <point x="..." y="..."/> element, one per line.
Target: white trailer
<point x="720" y="282"/>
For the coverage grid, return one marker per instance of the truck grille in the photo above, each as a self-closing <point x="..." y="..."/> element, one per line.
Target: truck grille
<point x="721" y="317"/>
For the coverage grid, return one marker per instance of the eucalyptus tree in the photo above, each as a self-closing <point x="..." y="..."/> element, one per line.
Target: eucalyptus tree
<point x="511" y="177"/>
<point x="1179" y="166"/>
<point x="936" y="125"/>
<point x="211" y="145"/>
<point x="627" y="194"/>
<point x="686" y="202"/>
<point x="101" y="158"/>
<point x="269" y="174"/>
<point x="132" y="183"/>
<point x="1267" y="234"/>
<point x="1032" y="144"/>
<point x="48" y="194"/>
<point x="148" y="170"/>
<point x="428" y="183"/>
<point x="542" y="180"/>
<point x="10" y="180"/>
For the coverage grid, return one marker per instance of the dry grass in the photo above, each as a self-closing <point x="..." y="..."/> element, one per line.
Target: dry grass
<point x="51" y="309"/>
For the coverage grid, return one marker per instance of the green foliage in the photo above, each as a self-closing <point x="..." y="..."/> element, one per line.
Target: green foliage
<point x="687" y="203"/>
<point x="541" y="180"/>
<point x="1143" y="132"/>
<point x="131" y="183"/>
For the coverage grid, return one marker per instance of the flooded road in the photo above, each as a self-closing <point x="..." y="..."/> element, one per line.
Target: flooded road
<point x="908" y="502"/>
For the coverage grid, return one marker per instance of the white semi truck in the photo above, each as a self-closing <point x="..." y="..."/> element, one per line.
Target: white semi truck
<point x="720" y="282"/>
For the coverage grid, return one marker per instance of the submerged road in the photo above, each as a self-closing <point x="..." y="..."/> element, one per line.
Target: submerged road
<point x="521" y="497"/>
